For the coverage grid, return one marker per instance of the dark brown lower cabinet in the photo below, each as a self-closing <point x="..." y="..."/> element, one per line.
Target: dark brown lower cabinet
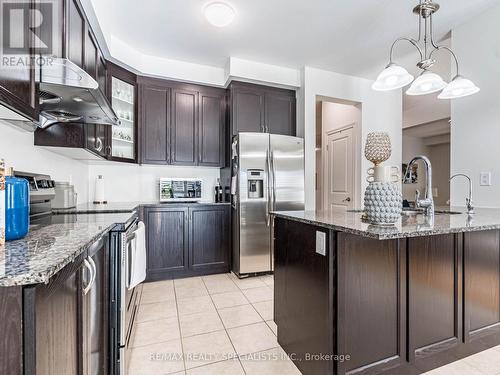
<point x="398" y="306"/>
<point x="482" y="285"/>
<point x="186" y="240"/>
<point x="209" y="239"/>
<point x="11" y="328"/>
<point x="371" y="310"/>
<point x="434" y="296"/>
<point x="166" y="242"/>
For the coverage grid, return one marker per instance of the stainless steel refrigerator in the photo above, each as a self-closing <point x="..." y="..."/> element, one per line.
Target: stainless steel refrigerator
<point x="267" y="175"/>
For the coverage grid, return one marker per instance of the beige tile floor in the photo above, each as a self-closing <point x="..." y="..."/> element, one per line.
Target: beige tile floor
<point x="222" y="325"/>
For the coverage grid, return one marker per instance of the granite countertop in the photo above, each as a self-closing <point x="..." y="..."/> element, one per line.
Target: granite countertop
<point x="116" y="207"/>
<point x="49" y="247"/>
<point x="407" y="226"/>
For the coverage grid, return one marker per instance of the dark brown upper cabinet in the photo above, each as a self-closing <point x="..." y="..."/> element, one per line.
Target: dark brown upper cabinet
<point x="183" y="133"/>
<point x="257" y="108"/>
<point x="154" y="103"/>
<point x="212" y="128"/>
<point x="122" y="92"/>
<point x="247" y="110"/>
<point x="91" y="49"/>
<point x="181" y="124"/>
<point x="75" y="30"/>
<point x="18" y="87"/>
<point x="280" y="113"/>
<point x="102" y="72"/>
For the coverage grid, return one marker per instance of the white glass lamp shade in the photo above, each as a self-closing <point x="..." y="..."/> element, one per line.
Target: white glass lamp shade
<point x="426" y="83"/>
<point x="219" y="14"/>
<point x="391" y="78"/>
<point x="458" y="88"/>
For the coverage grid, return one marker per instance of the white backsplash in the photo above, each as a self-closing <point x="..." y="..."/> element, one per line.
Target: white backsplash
<point x="129" y="182"/>
<point x="16" y="147"/>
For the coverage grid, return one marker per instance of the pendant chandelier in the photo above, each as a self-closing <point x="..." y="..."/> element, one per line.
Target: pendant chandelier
<point x="394" y="76"/>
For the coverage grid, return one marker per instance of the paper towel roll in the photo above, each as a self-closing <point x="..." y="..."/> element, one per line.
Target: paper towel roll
<point x="99" y="191"/>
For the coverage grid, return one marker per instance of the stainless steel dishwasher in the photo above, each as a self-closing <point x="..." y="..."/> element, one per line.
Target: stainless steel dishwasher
<point x="124" y="302"/>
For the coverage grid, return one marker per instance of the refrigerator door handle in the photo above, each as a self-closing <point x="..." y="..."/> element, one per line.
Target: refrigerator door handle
<point x="268" y="182"/>
<point x="273" y="177"/>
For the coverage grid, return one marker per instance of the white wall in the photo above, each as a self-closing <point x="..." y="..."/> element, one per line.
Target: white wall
<point x="16" y="147"/>
<point x="439" y="156"/>
<point x="380" y="112"/>
<point x="475" y="130"/>
<point x="130" y="182"/>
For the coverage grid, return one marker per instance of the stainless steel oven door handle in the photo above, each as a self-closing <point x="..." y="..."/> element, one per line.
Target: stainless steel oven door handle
<point x="122" y="287"/>
<point x="91" y="272"/>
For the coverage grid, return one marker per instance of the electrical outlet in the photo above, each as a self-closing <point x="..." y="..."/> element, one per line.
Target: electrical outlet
<point x="485" y="179"/>
<point x="321" y="243"/>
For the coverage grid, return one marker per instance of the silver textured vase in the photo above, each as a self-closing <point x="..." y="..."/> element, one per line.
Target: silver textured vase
<point x="383" y="203"/>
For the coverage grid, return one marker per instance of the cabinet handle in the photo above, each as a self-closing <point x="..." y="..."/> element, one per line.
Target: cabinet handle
<point x="108" y="150"/>
<point x="91" y="272"/>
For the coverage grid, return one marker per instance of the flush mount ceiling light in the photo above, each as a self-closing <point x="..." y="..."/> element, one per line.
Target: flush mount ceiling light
<point x="394" y="77"/>
<point x="219" y="14"/>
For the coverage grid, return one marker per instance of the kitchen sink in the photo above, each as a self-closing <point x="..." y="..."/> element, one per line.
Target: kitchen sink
<point x="413" y="211"/>
<point x="447" y="212"/>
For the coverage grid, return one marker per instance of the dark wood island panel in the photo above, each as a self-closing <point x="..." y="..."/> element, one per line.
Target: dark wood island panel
<point x="394" y="306"/>
<point x="11" y="330"/>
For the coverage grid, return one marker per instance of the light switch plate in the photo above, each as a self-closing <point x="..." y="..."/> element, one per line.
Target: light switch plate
<point x="321" y="243"/>
<point x="485" y="179"/>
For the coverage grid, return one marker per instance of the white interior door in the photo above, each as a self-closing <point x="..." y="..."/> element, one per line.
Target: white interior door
<point x="340" y="169"/>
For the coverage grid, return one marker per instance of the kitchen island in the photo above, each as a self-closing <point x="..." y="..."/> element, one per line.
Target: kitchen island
<point x="354" y="298"/>
<point x="53" y="303"/>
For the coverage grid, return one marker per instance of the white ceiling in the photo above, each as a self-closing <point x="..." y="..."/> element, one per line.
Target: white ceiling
<point x="351" y="37"/>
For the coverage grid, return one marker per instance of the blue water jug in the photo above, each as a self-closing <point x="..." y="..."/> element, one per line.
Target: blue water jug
<point x="17" y="208"/>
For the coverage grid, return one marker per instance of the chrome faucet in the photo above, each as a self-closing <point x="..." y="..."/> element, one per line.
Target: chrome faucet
<point x="468" y="200"/>
<point x="428" y="202"/>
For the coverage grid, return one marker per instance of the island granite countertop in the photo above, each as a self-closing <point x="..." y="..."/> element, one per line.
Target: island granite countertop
<point x="49" y="247"/>
<point x="407" y="226"/>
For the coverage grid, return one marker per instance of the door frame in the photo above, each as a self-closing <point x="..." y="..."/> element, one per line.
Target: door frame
<point x="356" y="163"/>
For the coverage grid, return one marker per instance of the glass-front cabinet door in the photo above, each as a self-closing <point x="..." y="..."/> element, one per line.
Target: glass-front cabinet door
<point x="123" y="136"/>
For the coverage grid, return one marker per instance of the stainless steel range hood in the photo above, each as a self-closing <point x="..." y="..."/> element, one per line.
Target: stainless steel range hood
<point x="68" y="94"/>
